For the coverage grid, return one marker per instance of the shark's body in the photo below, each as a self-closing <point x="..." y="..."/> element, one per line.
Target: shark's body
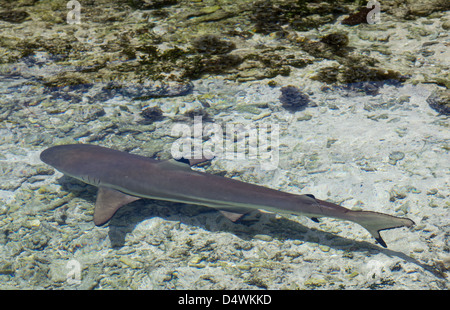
<point x="123" y="178"/>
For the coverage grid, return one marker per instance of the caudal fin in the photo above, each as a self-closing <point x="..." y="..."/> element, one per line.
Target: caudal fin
<point x="375" y="222"/>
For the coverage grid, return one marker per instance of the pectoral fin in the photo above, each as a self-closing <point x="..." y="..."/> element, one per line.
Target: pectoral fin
<point x="108" y="202"/>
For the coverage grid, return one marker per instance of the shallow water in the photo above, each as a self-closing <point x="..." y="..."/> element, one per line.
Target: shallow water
<point x="372" y="145"/>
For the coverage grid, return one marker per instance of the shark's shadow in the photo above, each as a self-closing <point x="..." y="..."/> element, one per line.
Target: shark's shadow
<point x="128" y="217"/>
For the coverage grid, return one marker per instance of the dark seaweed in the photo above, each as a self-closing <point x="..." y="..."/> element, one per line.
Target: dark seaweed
<point x="293" y="99"/>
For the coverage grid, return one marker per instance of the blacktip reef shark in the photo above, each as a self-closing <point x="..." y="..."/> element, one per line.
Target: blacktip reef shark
<point x="123" y="178"/>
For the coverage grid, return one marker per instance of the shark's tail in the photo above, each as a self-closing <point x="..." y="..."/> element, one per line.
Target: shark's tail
<point x="374" y="222"/>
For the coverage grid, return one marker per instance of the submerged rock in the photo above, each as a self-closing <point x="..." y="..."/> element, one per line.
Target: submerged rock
<point x="440" y="101"/>
<point x="211" y="44"/>
<point x="196" y="67"/>
<point x="270" y="16"/>
<point x="151" y="4"/>
<point x="336" y="39"/>
<point x="148" y="89"/>
<point x="293" y="99"/>
<point x="18" y="16"/>
<point x="152" y="114"/>
<point x="394" y="157"/>
<point x="359" y="73"/>
<point x="425" y="8"/>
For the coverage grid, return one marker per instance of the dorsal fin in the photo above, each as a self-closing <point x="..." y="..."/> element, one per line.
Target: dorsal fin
<point x="108" y="202"/>
<point x="193" y="161"/>
<point x="174" y="164"/>
<point x="182" y="163"/>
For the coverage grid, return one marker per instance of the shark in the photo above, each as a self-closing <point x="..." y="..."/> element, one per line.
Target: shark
<point x="123" y="177"/>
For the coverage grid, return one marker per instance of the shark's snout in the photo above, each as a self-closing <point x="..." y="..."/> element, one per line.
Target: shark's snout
<point x="48" y="156"/>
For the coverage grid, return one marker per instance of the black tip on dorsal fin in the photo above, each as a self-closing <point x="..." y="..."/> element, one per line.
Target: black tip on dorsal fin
<point x="193" y="161"/>
<point x="381" y="242"/>
<point x="315" y="219"/>
<point x="183" y="160"/>
<point x="310" y="195"/>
